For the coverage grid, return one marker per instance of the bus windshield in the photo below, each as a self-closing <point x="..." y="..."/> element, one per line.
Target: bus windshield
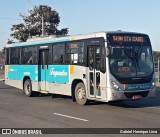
<point x="128" y="61"/>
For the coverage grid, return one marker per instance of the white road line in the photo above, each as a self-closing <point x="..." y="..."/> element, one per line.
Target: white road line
<point x="71" y="117"/>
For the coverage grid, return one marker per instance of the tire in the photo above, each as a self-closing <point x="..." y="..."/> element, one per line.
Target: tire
<point x="28" y="88"/>
<point x="80" y="94"/>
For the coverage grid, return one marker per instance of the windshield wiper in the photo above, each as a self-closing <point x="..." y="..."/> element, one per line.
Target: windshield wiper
<point x="133" y="56"/>
<point x="140" y="50"/>
<point x="138" y="55"/>
<point x="127" y="52"/>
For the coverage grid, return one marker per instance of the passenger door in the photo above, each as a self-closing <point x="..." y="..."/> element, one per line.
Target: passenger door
<point x="94" y="71"/>
<point x="43" y="69"/>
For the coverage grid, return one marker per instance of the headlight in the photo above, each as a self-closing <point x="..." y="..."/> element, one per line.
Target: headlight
<point x="153" y="84"/>
<point x="115" y="86"/>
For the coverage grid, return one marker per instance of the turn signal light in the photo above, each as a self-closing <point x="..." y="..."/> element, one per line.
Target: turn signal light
<point x="125" y="86"/>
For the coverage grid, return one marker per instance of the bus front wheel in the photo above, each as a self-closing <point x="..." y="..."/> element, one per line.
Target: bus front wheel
<point x="28" y="88"/>
<point x="80" y="94"/>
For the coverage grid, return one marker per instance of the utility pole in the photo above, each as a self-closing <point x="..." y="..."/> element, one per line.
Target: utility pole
<point x="42" y="16"/>
<point x="42" y="26"/>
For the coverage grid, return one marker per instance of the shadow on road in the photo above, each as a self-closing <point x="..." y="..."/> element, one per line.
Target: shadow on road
<point x="147" y="102"/>
<point x="144" y="103"/>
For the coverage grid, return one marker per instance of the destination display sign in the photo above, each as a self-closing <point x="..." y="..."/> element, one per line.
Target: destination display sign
<point x="127" y="38"/>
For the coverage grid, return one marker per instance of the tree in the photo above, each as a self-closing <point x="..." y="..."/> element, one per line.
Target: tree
<point x="3" y="51"/>
<point x="2" y="57"/>
<point x="156" y="55"/>
<point x="32" y="25"/>
<point x="10" y="41"/>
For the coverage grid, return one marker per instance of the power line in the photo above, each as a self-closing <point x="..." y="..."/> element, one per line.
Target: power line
<point x="10" y="19"/>
<point x="30" y="3"/>
<point x="5" y="33"/>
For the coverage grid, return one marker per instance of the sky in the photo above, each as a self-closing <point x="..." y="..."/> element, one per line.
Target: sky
<point x="85" y="16"/>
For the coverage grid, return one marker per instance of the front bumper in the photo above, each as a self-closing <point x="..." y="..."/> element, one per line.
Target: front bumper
<point x="113" y="95"/>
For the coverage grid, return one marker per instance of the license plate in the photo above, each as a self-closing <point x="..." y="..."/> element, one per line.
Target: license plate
<point x="136" y="97"/>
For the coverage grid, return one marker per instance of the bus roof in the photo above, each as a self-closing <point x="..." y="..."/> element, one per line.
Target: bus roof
<point x="55" y="39"/>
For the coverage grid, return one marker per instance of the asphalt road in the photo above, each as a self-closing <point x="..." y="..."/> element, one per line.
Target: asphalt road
<point x="19" y="111"/>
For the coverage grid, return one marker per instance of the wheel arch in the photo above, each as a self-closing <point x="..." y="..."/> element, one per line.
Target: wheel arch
<point x="73" y="86"/>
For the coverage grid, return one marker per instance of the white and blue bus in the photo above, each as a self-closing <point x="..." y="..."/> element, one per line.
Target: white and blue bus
<point x="102" y="66"/>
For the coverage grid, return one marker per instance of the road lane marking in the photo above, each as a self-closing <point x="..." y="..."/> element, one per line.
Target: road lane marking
<point x="71" y="117"/>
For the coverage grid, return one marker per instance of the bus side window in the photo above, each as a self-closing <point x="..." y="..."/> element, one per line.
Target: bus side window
<point x="98" y="58"/>
<point x="91" y="58"/>
<point x="29" y="55"/>
<point x="7" y="56"/>
<point x="74" y="52"/>
<point x="58" y="53"/>
<point x="15" y="56"/>
<point x="81" y="54"/>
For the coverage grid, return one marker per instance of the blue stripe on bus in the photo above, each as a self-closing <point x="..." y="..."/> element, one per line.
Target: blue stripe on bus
<point x="133" y="87"/>
<point x="58" y="74"/>
<point x="54" y="74"/>
<point x="18" y="72"/>
<point x="40" y="42"/>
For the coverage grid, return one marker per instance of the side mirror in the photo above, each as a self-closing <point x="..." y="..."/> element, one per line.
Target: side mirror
<point x="107" y="51"/>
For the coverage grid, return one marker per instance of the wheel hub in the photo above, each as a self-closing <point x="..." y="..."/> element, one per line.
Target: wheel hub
<point x="81" y="94"/>
<point x="28" y="88"/>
